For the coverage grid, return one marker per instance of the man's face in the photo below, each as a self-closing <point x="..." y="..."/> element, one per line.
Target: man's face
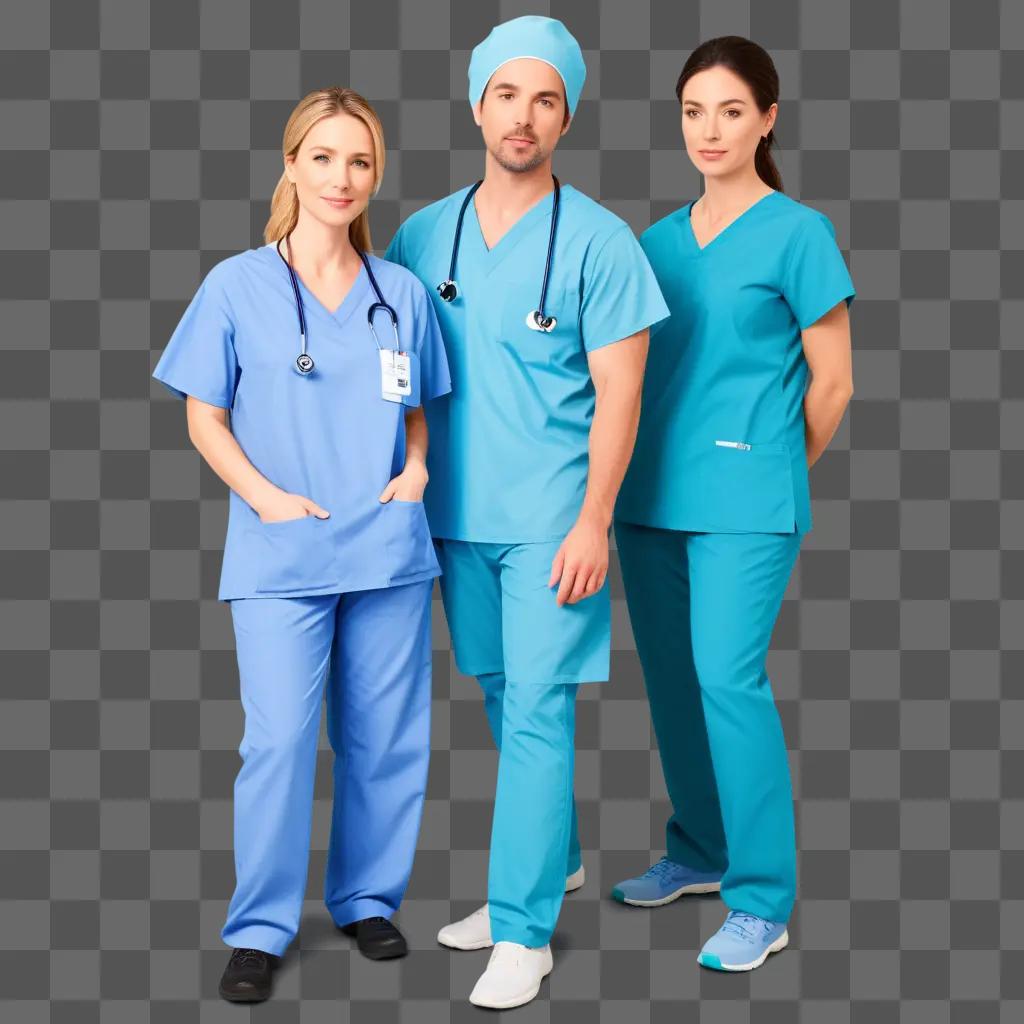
<point x="522" y="114"/>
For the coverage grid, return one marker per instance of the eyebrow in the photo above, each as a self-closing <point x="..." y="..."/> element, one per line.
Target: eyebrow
<point x="329" y="150"/>
<point x="515" y="88"/>
<point x="724" y="103"/>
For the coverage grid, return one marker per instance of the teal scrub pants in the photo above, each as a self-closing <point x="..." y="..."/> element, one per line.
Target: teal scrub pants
<point x="703" y="607"/>
<point x="529" y="655"/>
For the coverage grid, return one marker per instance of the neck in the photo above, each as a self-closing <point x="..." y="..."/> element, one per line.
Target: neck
<point x="320" y="248"/>
<point x="514" y="190"/>
<point x="724" y="196"/>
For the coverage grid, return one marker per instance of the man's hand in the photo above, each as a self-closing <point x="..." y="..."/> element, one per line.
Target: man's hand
<point x="581" y="563"/>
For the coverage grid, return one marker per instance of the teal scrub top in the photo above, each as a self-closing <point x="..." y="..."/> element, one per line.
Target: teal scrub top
<point x="329" y="436"/>
<point x="721" y="444"/>
<point x="508" y="454"/>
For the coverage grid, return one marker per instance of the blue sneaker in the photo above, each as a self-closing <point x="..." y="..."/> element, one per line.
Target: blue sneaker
<point x="743" y="942"/>
<point x="664" y="882"/>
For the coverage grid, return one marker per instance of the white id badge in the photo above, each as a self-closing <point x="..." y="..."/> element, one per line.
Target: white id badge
<point x="395" y="375"/>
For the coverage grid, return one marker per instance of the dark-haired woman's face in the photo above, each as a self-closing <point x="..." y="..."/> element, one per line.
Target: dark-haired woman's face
<point x="334" y="162"/>
<point x="721" y="122"/>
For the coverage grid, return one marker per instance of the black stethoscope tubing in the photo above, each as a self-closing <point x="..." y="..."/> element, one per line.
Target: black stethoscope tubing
<point x="449" y="289"/>
<point x="304" y="362"/>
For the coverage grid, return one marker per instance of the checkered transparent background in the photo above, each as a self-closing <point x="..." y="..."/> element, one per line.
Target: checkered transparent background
<point x="140" y="145"/>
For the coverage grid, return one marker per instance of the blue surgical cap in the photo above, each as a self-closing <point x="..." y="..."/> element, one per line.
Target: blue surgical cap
<point x="545" y="39"/>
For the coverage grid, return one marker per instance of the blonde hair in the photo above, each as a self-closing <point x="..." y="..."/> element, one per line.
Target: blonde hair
<point x="312" y="108"/>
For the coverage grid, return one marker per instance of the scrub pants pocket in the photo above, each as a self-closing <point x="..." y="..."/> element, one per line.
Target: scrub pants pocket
<point x="293" y="554"/>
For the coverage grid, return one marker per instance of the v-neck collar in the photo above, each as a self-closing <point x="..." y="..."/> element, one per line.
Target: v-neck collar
<point x="346" y="307"/>
<point x="488" y="259"/>
<point x="688" y="226"/>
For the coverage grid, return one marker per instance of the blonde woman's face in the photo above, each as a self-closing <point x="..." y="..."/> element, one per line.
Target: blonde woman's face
<point x="333" y="170"/>
<point x="721" y="123"/>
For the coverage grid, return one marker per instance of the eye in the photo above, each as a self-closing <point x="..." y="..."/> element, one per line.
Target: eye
<point x="360" y="160"/>
<point x="319" y="155"/>
<point x="690" y="111"/>
<point x="736" y="112"/>
<point x="502" y="95"/>
<point x="547" y="102"/>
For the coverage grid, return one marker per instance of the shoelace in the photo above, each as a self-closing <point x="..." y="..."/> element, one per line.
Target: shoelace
<point x="504" y="953"/>
<point x="241" y="957"/>
<point x="661" y="868"/>
<point x="732" y="923"/>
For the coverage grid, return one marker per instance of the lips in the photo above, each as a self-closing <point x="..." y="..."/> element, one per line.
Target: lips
<point x="340" y="204"/>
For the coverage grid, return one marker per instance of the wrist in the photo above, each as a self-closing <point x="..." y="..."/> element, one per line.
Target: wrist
<point x="596" y="514"/>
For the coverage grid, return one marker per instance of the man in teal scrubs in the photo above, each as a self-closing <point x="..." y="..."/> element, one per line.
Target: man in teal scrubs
<point x="526" y="458"/>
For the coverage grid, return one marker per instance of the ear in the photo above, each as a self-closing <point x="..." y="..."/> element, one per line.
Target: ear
<point x="288" y="161"/>
<point x="477" y="112"/>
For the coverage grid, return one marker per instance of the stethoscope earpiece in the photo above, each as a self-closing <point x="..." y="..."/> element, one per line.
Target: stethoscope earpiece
<point x="536" y="322"/>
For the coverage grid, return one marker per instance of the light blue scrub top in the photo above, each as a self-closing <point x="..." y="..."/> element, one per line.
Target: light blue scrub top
<point x="329" y="436"/>
<point x="728" y="366"/>
<point x="508" y="455"/>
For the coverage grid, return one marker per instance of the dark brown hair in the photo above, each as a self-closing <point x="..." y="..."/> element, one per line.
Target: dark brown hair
<point x="751" y="62"/>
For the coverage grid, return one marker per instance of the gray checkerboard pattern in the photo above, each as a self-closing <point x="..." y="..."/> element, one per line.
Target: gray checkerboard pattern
<point x="140" y="144"/>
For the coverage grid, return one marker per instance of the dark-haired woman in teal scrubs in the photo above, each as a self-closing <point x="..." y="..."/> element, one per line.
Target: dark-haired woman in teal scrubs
<point x="746" y="383"/>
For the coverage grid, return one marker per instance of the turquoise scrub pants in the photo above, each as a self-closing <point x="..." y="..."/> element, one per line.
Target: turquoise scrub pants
<point x="703" y="607"/>
<point x="529" y="656"/>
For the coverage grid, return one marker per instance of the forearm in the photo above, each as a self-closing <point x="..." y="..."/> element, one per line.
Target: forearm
<point x="824" y="405"/>
<point x="415" y="437"/>
<point x="222" y="452"/>
<point x="612" y="437"/>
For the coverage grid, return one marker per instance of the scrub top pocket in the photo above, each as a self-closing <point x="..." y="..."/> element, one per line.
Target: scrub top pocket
<point x="410" y="549"/>
<point x="747" y="489"/>
<point x="540" y="348"/>
<point x="294" y="554"/>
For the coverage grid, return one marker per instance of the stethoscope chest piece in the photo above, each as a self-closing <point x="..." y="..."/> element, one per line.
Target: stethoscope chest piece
<point x="536" y="322"/>
<point x="304" y="364"/>
<point x="448" y="290"/>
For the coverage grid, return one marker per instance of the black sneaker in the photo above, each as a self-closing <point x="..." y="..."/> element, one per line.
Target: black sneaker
<point x="377" y="938"/>
<point x="248" y="976"/>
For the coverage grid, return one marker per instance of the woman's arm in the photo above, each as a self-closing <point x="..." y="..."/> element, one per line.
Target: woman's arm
<point x="208" y="430"/>
<point x="827" y="349"/>
<point x="410" y="484"/>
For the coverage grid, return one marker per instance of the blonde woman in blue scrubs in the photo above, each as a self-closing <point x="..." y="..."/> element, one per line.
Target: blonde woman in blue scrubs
<point x="746" y="384"/>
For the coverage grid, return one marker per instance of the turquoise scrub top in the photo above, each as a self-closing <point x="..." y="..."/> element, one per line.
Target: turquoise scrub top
<point x="508" y="456"/>
<point x="721" y="444"/>
<point x="329" y="436"/>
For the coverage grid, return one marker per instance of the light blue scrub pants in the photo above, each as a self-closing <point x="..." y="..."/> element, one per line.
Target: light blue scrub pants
<point x="529" y="656"/>
<point x="373" y="650"/>
<point x="703" y="607"/>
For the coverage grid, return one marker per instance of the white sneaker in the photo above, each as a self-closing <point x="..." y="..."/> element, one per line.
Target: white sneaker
<point x="513" y="976"/>
<point x="474" y="932"/>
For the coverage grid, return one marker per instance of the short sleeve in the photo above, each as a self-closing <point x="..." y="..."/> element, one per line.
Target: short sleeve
<point x="435" y="377"/>
<point x="620" y="292"/>
<point x="815" y="277"/>
<point x="200" y="358"/>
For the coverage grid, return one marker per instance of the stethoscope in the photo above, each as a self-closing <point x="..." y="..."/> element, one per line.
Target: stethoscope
<point x="304" y="362"/>
<point x="535" y="319"/>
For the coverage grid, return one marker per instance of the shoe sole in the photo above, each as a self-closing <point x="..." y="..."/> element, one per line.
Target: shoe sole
<point x="696" y="889"/>
<point x="452" y="944"/>
<point x="715" y="964"/>
<point x="519" y="1000"/>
